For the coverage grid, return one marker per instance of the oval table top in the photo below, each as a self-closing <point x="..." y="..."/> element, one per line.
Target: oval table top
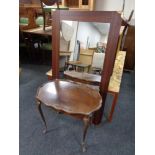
<point x="69" y="97"/>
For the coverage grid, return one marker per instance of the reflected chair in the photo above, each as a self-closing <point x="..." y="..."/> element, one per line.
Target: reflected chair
<point x="97" y="62"/>
<point x="84" y="62"/>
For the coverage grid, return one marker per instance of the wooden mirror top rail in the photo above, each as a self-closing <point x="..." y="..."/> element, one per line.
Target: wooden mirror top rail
<point x="115" y="21"/>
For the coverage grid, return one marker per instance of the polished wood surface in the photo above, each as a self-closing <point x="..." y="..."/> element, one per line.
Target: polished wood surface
<point x="83" y="77"/>
<point x="39" y="31"/>
<point x="69" y="97"/>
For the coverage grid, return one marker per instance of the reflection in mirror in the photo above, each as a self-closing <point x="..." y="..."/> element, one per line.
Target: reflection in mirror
<point x="83" y="45"/>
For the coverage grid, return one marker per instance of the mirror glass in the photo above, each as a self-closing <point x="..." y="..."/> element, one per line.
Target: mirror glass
<point x="83" y="46"/>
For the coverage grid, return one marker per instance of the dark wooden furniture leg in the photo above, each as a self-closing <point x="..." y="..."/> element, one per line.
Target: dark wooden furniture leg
<point x="42" y="116"/>
<point x="86" y="121"/>
<point x="44" y="20"/>
<point x="113" y="106"/>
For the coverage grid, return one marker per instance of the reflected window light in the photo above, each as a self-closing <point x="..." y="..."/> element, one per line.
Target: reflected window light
<point x="63" y="84"/>
<point x="52" y="90"/>
<point x="70" y="23"/>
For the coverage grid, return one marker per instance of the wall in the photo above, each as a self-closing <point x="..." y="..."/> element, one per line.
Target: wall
<point x="116" y="5"/>
<point x="87" y="32"/>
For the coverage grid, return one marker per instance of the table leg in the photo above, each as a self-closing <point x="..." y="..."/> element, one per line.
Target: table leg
<point x="44" y="20"/>
<point x="42" y="116"/>
<point x="113" y="106"/>
<point x="86" y="121"/>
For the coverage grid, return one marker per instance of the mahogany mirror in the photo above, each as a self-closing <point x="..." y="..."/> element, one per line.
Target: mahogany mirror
<point x="97" y="19"/>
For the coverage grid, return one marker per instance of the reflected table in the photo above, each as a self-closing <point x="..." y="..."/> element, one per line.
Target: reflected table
<point x="70" y="98"/>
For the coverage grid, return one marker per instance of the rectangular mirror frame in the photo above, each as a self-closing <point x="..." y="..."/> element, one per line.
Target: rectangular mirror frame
<point x="115" y="21"/>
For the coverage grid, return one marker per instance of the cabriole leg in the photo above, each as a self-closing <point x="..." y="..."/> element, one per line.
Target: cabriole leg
<point x="86" y="121"/>
<point x="42" y="116"/>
